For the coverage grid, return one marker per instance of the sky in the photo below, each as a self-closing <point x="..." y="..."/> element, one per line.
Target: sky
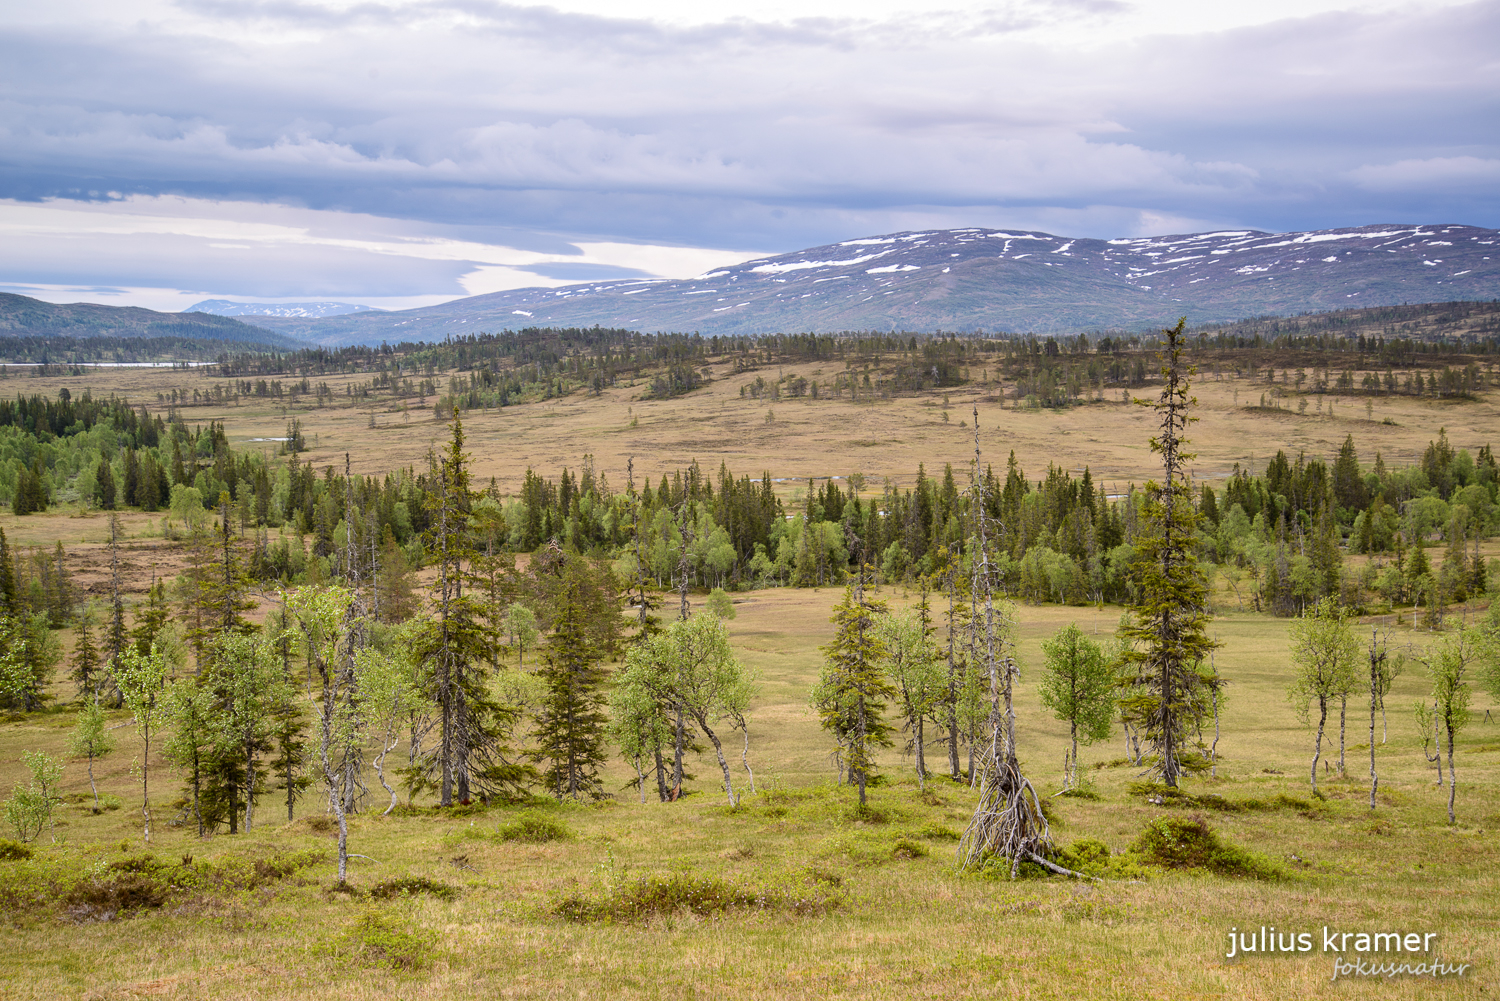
<point x="394" y="154"/>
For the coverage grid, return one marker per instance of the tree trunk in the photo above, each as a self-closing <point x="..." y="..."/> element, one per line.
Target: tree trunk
<point x="386" y="746"/>
<point x="1343" y="707"/>
<point x="1374" y="699"/>
<point x="1070" y="780"/>
<point x="249" y="785"/>
<point x="94" y="788"/>
<point x="952" y="690"/>
<point x="1318" y="742"/>
<point x="745" y="759"/>
<point x="719" y="752"/>
<point x="921" y="762"/>
<point x="1452" y="782"/>
<point x="145" y="776"/>
<point x="680" y="739"/>
<point x="661" y="775"/>
<point x="1437" y="736"/>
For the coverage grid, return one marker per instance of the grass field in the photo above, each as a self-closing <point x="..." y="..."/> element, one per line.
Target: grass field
<point x="818" y="438"/>
<point x="905" y="926"/>
<point x="897" y="921"/>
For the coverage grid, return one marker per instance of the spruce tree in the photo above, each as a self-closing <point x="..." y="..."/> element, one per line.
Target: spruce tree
<point x="571" y="726"/>
<point x="104" y="485"/>
<point x="456" y="648"/>
<point x="1168" y="693"/>
<point x="850" y="697"/>
<point x="86" y="663"/>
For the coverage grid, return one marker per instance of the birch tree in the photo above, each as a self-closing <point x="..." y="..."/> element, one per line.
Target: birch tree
<point x="387" y="684"/>
<point x="917" y="675"/>
<point x="140" y="679"/>
<point x="687" y="668"/>
<point x="1078" y="685"/>
<point x="321" y="613"/>
<point x="1325" y="654"/>
<point x="1451" y="661"/>
<point x="91" y="740"/>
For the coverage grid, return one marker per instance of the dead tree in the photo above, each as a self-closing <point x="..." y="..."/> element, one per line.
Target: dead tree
<point x="1008" y="822"/>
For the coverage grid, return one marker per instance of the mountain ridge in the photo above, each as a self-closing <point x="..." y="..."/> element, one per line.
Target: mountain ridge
<point x="986" y="279"/>
<point x="23" y="316"/>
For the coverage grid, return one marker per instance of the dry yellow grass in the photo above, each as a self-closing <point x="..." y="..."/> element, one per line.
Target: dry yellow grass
<point x="816" y="438"/>
<point x="911" y="927"/>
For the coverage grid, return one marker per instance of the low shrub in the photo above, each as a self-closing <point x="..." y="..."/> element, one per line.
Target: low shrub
<point x="1079" y="792"/>
<point x="938" y="832"/>
<point x="381" y="940"/>
<point x="410" y="886"/>
<point x="534" y="830"/>
<point x="906" y="848"/>
<point x="13" y="850"/>
<point x="1189" y="843"/>
<point x="705" y="896"/>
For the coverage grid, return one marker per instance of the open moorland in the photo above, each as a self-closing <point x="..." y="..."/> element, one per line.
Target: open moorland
<point x="795" y="892"/>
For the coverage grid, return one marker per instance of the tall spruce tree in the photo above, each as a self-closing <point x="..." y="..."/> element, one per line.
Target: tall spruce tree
<point x="572" y="726"/>
<point x="852" y="691"/>
<point x="1168" y="691"/>
<point x="458" y="645"/>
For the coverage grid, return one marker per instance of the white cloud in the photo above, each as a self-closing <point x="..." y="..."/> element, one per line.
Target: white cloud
<point x="278" y="251"/>
<point x="1461" y="173"/>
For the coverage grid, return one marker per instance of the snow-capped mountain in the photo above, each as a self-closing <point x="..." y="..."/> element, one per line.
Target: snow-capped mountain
<point x="989" y="279"/>
<point x="312" y="310"/>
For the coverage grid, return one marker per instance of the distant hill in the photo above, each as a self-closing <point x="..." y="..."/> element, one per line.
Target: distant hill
<point x="223" y="307"/>
<point x="987" y="279"/>
<point x="21" y="316"/>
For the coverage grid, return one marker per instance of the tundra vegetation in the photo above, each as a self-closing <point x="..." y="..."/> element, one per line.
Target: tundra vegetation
<point x="410" y="732"/>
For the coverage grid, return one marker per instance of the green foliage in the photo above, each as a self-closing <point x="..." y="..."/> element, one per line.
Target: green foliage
<point x="1327" y="656"/>
<point x="917" y="676"/>
<point x="520" y="624"/>
<point x="13" y="851"/>
<point x="411" y="886"/>
<point x="1078" y="685"/>
<point x="379" y="939"/>
<point x="687" y="669"/>
<point x="29" y="653"/>
<point x="29" y="809"/>
<point x="720" y="604"/>
<point x="532" y="829"/>
<point x="90" y="739"/>
<point x="141" y="680"/>
<point x="906" y="848"/>
<point x="851" y="691"/>
<point x="1168" y="693"/>
<point x="1188" y="843"/>
<point x="702" y="896"/>
<point x="571" y="727"/>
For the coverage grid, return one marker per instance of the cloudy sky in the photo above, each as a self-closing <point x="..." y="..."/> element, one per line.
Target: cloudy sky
<point x="156" y="152"/>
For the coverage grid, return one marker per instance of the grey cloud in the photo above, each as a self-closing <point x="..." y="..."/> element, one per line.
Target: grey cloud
<point x="538" y="128"/>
